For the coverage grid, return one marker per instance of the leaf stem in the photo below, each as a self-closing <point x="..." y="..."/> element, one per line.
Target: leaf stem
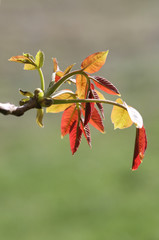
<point x="54" y="86"/>
<point x="66" y="101"/>
<point x="41" y="79"/>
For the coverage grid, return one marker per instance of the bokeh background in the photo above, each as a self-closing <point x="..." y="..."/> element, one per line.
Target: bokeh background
<point x="45" y="192"/>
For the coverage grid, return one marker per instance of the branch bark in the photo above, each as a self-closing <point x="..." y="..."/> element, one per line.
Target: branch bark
<point x="11" y="109"/>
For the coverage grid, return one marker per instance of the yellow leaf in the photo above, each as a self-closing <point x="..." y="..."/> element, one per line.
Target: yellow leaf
<point x="29" y="67"/>
<point x="39" y="117"/>
<point x="120" y="117"/>
<point x="55" y="108"/>
<point x="94" y="62"/>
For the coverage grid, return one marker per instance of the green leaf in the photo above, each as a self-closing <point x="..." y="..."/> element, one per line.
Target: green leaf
<point x="39" y="59"/>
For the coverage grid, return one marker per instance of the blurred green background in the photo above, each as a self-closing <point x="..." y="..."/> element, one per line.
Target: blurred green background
<point x="45" y="192"/>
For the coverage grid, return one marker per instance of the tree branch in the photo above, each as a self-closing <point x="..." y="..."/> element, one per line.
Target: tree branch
<point x="11" y="109"/>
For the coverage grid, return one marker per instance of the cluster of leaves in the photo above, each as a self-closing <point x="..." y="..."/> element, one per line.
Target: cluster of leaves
<point x="85" y="105"/>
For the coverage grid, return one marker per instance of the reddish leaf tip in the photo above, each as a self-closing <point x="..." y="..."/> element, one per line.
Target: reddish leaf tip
<point x="140" y="147"/>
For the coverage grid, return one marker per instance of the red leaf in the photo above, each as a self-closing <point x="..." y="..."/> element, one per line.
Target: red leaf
<point x="68" y="117"/>
<point x="105" y="85"/>
<point x="75" y="135"/>
<point x="58" y="75"/>
<point x="86" y="132"/>
<point x="140" y="147"/>
<point x="96" y="120"/>
<point x="99" y="105"/>
<point x="88" y="109"/>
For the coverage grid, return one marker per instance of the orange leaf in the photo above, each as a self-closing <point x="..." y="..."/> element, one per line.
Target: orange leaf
<point x="81" y="84"/>
<point x="140" y="147"/>
<point x="29" y="63"/>
<point x="20" y="58"/>
<point x="68" y="117"/>
<point x="94" y="62"/>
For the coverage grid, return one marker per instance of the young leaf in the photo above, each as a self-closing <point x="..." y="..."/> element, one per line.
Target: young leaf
<point x="20" y="59"/>
<point x="68" y="117"/>
<point x="98" y="95"/>
<point x="88" y="109"/>
<point x="28" y="62"/>
<point x="68" y="69"/>
<point x="135" y="116"/>
<point x="57" y="73"/>
<point x="75" y="135"/>
<point x="23" y="101"/>
<point x="39" y="59"/>
<point x="140" y="147"/>
<point x="105" y="85"/>
<point x="86" y="132"/>
<point x="39" y="117"/>
<point x="64" y="94"/>
<point x="25" y="93"/>
<point x="94" y="62"/>
<point x="120" y="116"/>
<point x="56" y="66"/>
<point x="30" y="67"/>
<point x="81" y="84"/>
<point x="96" y="120"/>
